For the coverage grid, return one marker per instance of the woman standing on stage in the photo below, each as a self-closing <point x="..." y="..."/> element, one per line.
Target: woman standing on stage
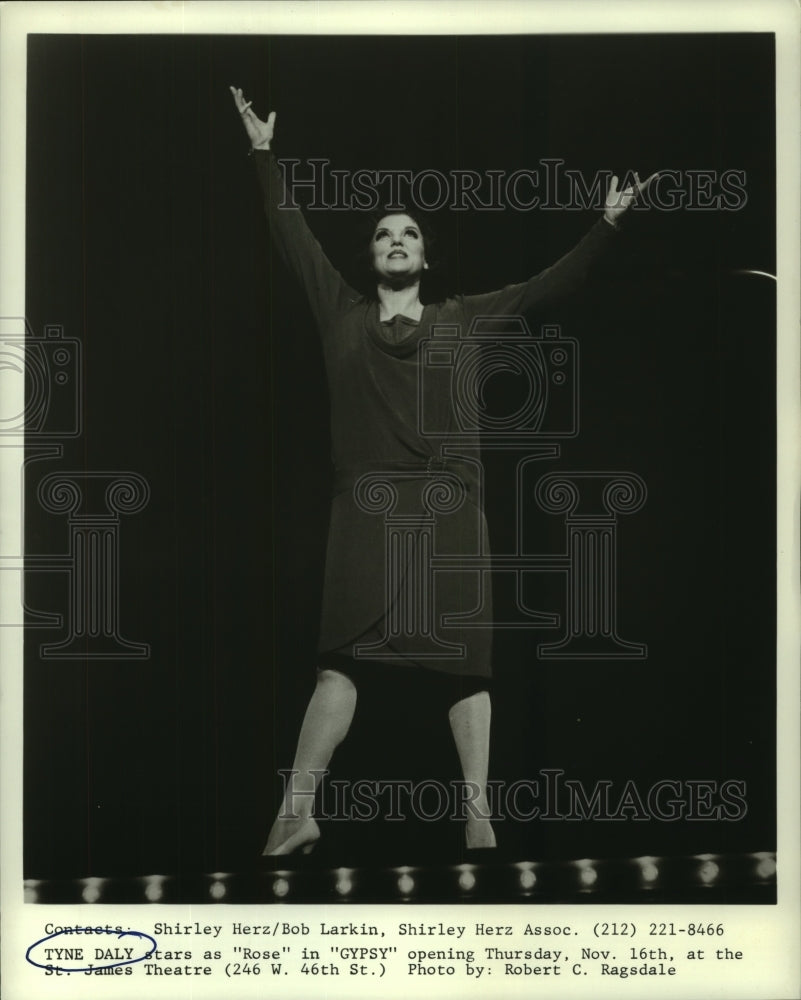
<point x="371" y="348"/>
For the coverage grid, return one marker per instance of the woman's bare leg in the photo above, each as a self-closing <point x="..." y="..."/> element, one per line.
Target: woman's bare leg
<point x="470" y="725"/>
<point x="325" y="725"/>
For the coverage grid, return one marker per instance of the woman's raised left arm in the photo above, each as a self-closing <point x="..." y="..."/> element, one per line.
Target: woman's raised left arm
<point x="568" y="274"/>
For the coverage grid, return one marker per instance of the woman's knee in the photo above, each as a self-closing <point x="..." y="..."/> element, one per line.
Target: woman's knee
<point x="477" y="705"/>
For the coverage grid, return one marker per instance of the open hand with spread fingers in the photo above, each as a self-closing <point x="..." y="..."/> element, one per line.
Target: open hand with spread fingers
<point x="260" y="133"/>
<point x="618" y="201"/>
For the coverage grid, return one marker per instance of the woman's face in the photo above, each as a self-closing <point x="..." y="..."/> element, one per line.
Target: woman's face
<point x="396" y="249"/>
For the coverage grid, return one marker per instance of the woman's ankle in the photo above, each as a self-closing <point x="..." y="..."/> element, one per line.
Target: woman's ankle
<point x="303" y="829"/>
<point x="479" y="833"/>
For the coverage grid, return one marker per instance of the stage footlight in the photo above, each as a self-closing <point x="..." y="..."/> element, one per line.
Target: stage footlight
<point x="467" y="880"/>
<point x="217" y="890"/>
<point x="708" y="870"/>
<point x="344" y="882"/>
<point x="92" y="888"/>
<point x="649" y="870"/>
<point x="280" y="887"/>
<point x="527" y="877"/>
<point x="587" y="874"/>
<point x="154" y="888"/>
<point x="405" y="881"/>
<point x="765" y="866"/>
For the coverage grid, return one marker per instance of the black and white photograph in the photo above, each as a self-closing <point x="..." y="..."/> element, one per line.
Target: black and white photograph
<point x="399" y="472"/>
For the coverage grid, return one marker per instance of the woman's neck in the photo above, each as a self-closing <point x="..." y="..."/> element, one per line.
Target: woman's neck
<point x="392" y="301"/>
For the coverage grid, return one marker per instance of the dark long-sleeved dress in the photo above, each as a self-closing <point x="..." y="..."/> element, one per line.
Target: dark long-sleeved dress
<point x="403" y="493"/>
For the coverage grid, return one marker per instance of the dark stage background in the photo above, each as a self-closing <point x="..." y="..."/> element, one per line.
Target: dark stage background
<point x="202" y="372"/>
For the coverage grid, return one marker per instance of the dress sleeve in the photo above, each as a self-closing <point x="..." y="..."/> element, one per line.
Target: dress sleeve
<point x="325" y="289"/>
<point x="562" y="279"/>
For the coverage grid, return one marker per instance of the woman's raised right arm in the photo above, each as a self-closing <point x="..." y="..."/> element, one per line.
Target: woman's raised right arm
<point x="325" y="289"/>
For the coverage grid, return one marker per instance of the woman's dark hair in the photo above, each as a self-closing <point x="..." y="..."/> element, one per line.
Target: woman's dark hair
<point x="363" y="272"/>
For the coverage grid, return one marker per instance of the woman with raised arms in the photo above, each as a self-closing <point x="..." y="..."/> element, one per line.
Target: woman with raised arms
<point x="371" y="348"/>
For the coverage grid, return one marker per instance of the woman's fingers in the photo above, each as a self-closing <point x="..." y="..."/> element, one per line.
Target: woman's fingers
<point x="258" y="131"/>
<point x="639" y="186"/>
<point x="618" y="201"/>
<point x="648" y="180"/>
<point x="241" y="104"/>
<point x="244" y="106"/>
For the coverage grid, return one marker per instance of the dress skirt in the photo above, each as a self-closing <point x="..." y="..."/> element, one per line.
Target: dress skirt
<point x="397" y="589"/>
